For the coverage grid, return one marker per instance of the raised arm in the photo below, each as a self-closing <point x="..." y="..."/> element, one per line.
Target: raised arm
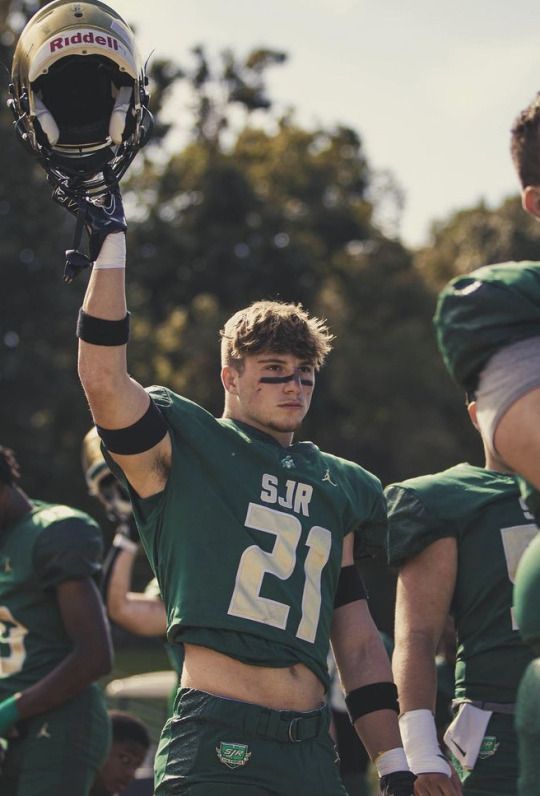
<point x="117" y="402"/>
<point x="424" y="592"/>
<point x="366" y="677"/>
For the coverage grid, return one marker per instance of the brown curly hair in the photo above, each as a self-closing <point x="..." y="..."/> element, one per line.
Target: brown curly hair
<point x="525" y="144"/>
<point x="275" y="326"/>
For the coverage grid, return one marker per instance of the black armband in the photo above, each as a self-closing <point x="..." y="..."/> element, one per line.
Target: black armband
<point x="138" y="438"/>
<point x="369" y="698"/>
<point x="99" y="331"/>
<point x="350" y="587"/>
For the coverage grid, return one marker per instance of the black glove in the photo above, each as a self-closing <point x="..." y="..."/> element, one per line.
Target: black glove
<point x="100" y="217"/>
<point x="398" y="783"/>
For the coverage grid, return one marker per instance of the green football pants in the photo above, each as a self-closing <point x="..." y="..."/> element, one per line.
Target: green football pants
<point x="59" y="752"/>
<point x="212" y="746"/>
<point x="496" y="770"/>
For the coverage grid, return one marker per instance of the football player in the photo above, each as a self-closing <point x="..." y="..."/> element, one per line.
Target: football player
<point x="527" y="600"/>
<point x="457" y="537"/>
<point x="139" y="613"/>
<point x="54" y="644"/>
<point x="251" y="537"/>
<point x="129" y="747"/>
<point x="488" y="329"/>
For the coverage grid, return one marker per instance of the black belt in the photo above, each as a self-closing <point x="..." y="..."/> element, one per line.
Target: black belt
<point x="285" y="726"/>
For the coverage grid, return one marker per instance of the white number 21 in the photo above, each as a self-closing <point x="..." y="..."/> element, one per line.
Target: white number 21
<point x="247" y="602"/>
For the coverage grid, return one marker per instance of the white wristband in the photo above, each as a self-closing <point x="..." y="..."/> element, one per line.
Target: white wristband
<point x="112" y="253"/>
<point x="390" y="761"/>
<point x="122" y="541"/>
<point x="419" y="736"/>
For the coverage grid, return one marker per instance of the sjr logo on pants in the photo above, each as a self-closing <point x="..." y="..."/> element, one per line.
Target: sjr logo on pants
<point x="233" y="755"/>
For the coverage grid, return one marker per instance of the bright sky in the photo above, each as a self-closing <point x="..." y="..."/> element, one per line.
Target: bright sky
<point x="432" y="86"/>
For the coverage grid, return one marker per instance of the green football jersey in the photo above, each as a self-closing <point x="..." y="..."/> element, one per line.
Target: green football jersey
<point x="483" y="511"/>
<point x="527" y="596"/>
<point x="481" y="312"/>
<point x="246" y="539"/>
<point x="47" y="546"/>
<point x="174" y="652"/>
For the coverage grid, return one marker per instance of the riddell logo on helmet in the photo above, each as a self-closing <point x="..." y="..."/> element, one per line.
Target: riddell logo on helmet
<point x="83" y="38"/>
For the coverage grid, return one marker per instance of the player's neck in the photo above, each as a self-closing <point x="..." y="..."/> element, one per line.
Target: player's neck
<point x="494" y="463"/>
<point x="284" y="438"/>
<point x="13" y="505"/>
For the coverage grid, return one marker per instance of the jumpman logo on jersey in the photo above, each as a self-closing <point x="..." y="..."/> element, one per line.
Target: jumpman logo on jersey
<point x="328" y="477"/>
<point x="6" y="566"/>
<point x="288" y="462"/>
<point x="44" y="731"/>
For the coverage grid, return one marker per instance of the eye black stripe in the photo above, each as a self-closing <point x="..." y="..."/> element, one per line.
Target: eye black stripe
<point x="284" y="380"/>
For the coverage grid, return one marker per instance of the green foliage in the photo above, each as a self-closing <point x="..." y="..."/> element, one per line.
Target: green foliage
<point x="478" y="236"/>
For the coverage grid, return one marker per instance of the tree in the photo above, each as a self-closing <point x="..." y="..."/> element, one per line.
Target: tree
<point x="477" y="236"/>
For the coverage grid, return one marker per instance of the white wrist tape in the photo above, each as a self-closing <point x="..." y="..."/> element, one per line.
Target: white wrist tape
<point x="113" y="252"/>
<point x="419" y="736"/>
<point x="390" y="761"/>
<point x="121" y="540"/>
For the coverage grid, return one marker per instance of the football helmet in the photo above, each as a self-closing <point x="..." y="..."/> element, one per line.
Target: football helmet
<point x="101" y="482"/>
<point x="78" y="94"/>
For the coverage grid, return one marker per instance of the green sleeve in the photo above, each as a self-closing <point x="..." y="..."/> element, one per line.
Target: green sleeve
<point x="371" y="530"/>
<point x="411" y="525"/>
<point x="527" y="595"/>
<point x="68" y="550"/>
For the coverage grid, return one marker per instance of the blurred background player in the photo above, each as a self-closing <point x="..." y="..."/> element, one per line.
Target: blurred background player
<point x="54" y="643"/>
<point x="525" y="153"/>
<point x="141" y="613"/>
<point x="527" y="601"/>
<point x="457" y="537"/>
<point x="129" y="746"/>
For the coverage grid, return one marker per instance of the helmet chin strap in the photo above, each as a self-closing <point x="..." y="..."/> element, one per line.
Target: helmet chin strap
<point x="76" y="261"/>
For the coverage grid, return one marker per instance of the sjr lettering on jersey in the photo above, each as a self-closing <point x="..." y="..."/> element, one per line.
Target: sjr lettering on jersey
<point x="83" y="37"/>
<point x="295" y="496"/>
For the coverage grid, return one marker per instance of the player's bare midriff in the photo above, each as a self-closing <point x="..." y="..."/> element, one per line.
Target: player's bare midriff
<point x="290" y="688"/>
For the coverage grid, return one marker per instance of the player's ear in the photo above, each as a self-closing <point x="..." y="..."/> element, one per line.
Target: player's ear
<point x="471" y="409"/>
<point x="530" y="200"/>
<point x="229" y="379"/>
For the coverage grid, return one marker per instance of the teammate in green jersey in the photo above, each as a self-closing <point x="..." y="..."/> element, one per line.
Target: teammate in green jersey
<point x="54" y="643"/>
<point x="251" y="538"/>
<point x="457" y="537"/>
<point x="140" y="613"/>
<point x="527" y="600"/>
<point x="489" y="334"/>
<point x="488" y="329"/>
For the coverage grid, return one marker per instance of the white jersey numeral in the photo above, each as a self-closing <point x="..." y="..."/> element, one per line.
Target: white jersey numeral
<point x="247" y="601"/>
<point x="12" y="650"/>
<point x="516" y="540"/>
